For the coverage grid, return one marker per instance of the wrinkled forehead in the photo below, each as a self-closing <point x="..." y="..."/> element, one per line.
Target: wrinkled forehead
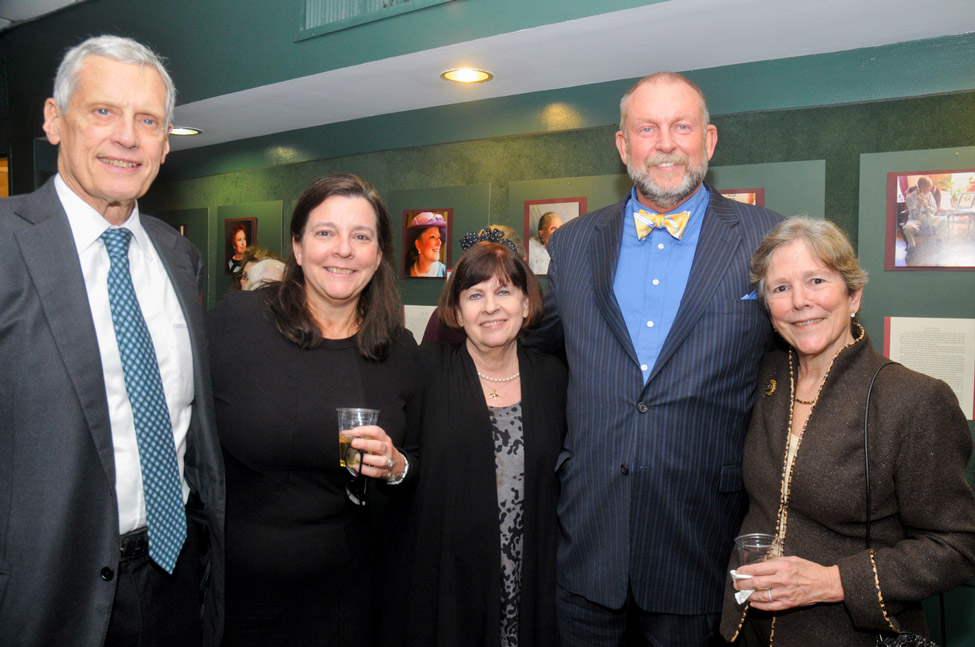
<point x="665" y="96"/>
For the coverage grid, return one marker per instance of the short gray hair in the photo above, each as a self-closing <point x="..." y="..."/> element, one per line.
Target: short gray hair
<point x="116" y="48"/>
<point x="672" y="77"/>
<point x="826" y="241"/>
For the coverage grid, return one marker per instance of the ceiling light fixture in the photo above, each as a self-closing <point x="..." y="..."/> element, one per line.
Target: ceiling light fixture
<point x="185" y="131"/>
<point x="467" y="75"/>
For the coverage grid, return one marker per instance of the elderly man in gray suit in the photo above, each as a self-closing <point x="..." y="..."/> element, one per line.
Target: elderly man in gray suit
<point x="663" y="338"/>
<point x="111" y="478"/>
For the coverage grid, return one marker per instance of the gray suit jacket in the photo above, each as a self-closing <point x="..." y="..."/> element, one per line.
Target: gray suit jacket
<point x="651" y="478"/>
<point x="59" y="538"/>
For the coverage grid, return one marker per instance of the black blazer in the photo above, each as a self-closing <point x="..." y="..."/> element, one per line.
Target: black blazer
<point x="59" y="529"/>
<point x="650" y="474"/>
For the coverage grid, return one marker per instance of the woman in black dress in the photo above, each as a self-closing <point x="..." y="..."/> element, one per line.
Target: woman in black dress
<point x="481" y="545"/>
<point x="283" y="358"/>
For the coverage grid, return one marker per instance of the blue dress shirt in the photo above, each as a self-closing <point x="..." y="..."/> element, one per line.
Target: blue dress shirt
<point x="651" y="275"/>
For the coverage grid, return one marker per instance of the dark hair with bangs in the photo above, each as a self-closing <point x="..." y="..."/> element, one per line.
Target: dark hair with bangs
<point x="379" y="311"/>
<point x="482" y="262"/>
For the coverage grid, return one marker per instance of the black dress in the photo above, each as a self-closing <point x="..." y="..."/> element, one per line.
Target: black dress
<point x="448" y="591"/>
<point x="298" y="552"/>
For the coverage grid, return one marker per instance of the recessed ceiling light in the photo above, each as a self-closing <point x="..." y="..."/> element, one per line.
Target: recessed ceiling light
<point x="467" y="75"/>
<point x="185" y="131"/>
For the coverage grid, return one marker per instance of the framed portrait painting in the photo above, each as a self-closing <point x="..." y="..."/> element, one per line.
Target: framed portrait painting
<point x="745" y="196"/>
<point x="426" y="243"/>
<point x="238" y="235"/>
<point x="930" y="220"/>
<point x="542" y="219"/>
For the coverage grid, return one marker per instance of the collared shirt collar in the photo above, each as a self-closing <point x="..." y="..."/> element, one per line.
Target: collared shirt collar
<point x="87" y="225"/>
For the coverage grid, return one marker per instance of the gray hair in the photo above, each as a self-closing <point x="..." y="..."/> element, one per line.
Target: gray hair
<point x="116" y="48"/>
<point x="826" y="241"/>
<point x="672" y="77"/>
<point x="270" y="270"/>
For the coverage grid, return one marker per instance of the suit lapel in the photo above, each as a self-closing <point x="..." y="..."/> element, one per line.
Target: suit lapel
<point x="717" y="244"/>
<point x="52" y="262"/>
<point x="604" y="252"/>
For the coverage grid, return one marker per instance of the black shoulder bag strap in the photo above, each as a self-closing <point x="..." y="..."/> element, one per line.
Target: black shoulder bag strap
<point x="903" y="639"/>
<point x="866" y="445"/>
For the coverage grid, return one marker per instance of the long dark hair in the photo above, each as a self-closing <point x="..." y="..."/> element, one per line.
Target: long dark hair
<point x="379" y="311"/>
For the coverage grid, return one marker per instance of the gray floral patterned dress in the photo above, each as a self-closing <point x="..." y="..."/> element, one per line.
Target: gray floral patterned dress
<point x="509" y="460"/>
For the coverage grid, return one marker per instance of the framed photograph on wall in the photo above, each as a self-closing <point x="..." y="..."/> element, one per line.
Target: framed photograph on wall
<point x="542" y="218"/>
<point x="238" y="235"/>
<point x="426" y="243"/>
<point x="930" y="220"/>
<point x="746" y="196"/>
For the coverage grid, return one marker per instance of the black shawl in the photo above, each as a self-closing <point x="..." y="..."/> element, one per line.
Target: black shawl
<point x="448" y="587"/>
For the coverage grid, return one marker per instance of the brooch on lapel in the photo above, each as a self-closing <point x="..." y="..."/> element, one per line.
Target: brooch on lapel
<point x="770" y="388"/>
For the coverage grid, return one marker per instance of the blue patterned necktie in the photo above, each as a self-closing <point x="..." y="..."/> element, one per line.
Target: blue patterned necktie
<point x="165" y="514"/>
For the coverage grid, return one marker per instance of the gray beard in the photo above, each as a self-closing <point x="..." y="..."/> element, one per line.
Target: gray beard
<point x="667" y="199"/>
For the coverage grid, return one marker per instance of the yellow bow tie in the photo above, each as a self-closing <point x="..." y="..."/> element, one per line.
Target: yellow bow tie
<point x="673" y="223"/>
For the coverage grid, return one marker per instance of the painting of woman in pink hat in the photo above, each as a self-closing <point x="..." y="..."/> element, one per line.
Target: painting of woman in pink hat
<point x="424" y="246"/>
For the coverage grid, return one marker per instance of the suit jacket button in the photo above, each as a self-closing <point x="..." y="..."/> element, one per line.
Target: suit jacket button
<point x="643" y="407"/>
<point x="107" y="574"/>
<point x="624" y="469"/>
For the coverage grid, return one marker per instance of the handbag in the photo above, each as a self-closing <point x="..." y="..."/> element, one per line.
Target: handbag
<point x="904" y="638"/>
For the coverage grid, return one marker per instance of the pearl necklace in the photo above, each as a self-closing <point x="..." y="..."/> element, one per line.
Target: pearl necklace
<point x="507" y="380"/>
<point x="498" y="379"/>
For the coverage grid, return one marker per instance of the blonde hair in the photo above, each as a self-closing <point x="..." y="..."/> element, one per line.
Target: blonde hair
<point x="512" y="235"/>
<point x="826" y="241"/>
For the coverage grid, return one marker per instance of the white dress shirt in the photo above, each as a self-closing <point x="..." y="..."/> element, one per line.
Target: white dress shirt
<point x="538" y="258"/>
<point x="170" y="337"/>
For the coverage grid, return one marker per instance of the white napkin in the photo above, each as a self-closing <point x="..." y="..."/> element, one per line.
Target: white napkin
<point x="741" y="596"/>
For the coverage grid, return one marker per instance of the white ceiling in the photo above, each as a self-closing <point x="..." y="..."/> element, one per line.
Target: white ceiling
<point x="15" y="11"/>
<point x="673" y="35"/>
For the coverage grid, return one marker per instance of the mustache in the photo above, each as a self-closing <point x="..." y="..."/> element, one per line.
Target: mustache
<point x="667" y="158"/>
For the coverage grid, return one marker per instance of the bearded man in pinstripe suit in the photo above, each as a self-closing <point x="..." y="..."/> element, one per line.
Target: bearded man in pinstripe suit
<point x="663" y="338"/>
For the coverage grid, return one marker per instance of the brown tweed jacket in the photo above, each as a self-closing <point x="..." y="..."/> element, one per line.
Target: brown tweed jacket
<point x="923" y="510"/>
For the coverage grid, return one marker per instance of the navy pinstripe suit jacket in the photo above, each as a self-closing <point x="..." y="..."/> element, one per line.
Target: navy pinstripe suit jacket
<point x="651" y="493"/>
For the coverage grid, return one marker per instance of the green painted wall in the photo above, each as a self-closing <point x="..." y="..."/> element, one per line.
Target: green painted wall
<point x="940" y="66"/>
<point x="836" y="134"/>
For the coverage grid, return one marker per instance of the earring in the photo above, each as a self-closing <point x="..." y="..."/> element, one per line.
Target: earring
<point x="852" y="315"/>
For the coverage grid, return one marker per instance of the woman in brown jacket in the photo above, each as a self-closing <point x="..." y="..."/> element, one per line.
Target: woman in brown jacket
<point x="803" y="465"/>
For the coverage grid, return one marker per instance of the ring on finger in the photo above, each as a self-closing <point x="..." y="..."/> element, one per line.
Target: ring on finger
<point x="389" y="463"/>
<point x="770" y="596"/>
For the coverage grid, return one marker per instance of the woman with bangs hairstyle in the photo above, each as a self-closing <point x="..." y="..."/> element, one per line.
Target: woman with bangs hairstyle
<point x="300" y="564"/>
<point x="481" y="540"/>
